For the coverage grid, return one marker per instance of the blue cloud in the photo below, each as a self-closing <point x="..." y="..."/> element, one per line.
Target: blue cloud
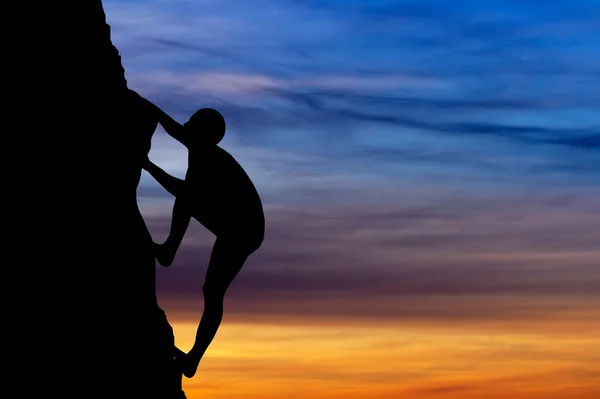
<point x="471" y="91"/>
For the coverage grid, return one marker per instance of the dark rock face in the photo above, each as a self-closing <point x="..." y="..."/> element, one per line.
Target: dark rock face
<point x="86" y="315"/>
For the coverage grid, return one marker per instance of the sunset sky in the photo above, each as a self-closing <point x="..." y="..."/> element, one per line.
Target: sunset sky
<point x="430" y="172"/>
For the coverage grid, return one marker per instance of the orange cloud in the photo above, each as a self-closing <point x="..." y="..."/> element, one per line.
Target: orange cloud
<point x="269" y="361"/>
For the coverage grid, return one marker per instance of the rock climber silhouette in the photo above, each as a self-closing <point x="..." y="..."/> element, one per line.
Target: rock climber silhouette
<point x="218" y="193"/>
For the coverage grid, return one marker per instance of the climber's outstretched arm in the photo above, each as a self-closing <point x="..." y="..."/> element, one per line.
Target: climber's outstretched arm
<point x="171" y="126"/>
<point x="170" y="183"/>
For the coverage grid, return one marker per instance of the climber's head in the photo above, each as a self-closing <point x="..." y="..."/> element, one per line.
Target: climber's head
<point x="206" y="126"/>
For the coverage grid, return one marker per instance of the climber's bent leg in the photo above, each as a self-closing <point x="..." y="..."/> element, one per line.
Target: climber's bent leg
<point x="227" y="259"/>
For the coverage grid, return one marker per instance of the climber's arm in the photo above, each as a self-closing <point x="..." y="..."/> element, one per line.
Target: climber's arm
<point x="170" y="183"/>
<point x="171" y="126"/>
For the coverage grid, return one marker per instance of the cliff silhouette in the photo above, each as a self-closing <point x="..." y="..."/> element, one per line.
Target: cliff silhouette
<point x="83" y="316"/>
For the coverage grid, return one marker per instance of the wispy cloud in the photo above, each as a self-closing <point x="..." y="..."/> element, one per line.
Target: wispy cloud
<point x="382" y="82"/>
<point x="469" y="260"/>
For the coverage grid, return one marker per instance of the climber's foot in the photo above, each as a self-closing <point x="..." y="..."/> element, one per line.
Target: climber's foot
<point x="188" y="362"/>
<point x="178" y="353"/>
<point x="163" y="254"/>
